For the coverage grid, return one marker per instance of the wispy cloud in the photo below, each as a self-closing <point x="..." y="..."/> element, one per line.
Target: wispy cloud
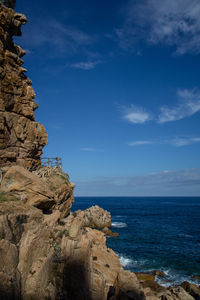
<point x="167" y="22"/>
<point x="140" y="143"/>
<point x="135" y="114"/>
<point x="165" y="183"/>
<point x="58" y="37"/>
<point x="87" y="65"/>
<point x="184" y="141"/>
<point x="189" y="104"/>
<point x="175" y="141"/>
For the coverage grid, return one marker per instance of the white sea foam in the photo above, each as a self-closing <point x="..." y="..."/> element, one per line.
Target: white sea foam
<point x="125" y="261"/>
<point x="119" y="224"/>
<point x="130" y="263"/>
<point x="172" y="278"/>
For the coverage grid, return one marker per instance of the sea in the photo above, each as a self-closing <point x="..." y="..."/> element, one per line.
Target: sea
<point x="155" y="233"/>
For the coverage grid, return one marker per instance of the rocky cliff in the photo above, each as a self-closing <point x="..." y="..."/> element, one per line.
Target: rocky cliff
<point x="47" y="251"/>
<point x="21" y="138"/>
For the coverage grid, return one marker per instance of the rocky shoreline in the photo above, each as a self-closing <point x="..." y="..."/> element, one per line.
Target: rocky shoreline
<point x="47" y="251"/>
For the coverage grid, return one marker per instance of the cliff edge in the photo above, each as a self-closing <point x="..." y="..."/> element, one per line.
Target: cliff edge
<point x="46" y="250"/>
<point x="21" y="138"/>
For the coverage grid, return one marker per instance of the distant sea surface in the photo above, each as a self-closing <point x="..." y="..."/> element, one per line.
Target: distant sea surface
<point x="155" y="233"/>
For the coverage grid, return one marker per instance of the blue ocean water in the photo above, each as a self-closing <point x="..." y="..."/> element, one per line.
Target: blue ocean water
<point x="155" y="233"/>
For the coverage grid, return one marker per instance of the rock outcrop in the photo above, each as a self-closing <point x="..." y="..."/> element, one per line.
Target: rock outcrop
<point x="21" y="138"/>
<point x="46" y="193"/>
<point x="51" y="255"/>
<point x="46" y="251"/>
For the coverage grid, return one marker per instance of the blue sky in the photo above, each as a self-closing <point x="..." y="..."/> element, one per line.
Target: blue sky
<point x="118" y="88"/>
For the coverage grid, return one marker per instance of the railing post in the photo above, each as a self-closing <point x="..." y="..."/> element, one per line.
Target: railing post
<point x="51" y="162"/>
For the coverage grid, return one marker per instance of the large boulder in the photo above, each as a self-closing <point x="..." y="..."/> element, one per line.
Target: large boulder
<point x="178" y="293"/>
<point x="58" y="182"/>
<point x="54" y="190"/>
<point x="128" y="287"/>
<point x="27" y="187"/>
<point x="192" y="289"/>
<point x="97" y="217"/>
<point x="26" y="253"/>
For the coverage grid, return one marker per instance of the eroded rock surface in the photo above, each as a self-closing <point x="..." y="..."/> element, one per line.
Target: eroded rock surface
<point x="55" y="255"/>
<point x="21" y="137"/>
<point x="54" y="191"/>
<point x="51" y="253"/>
<point x="47" y="252"/>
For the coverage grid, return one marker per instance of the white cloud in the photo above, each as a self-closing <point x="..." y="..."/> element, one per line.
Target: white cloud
<point x="135" y="114"/>
<point x="88" y="65"/>
<point x="189" y="104"/>
<point x="176" y="141"/>
<point x="140" y="143"/>
<point x="179" y="142"/>
<point x="169" y="22"/>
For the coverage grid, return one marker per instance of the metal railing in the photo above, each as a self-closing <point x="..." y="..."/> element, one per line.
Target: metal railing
<point x="51" y="162"/>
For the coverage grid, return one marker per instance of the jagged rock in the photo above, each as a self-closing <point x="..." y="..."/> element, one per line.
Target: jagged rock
<point x="8" y="265"/>
<point x="178" y="293"/>
<point x="96" y="217"/>
<point x="48" y="262"/>
<point x="154" y="287"/>
<point x="158" y="273"/>
<point x="55" y="255"/>
<point x="39" y="191"/>
<point x="128" y="287"/>
<point x="58" y="182"/>
<point x="25" y="269"/>
<point x="21" y="138"/>
<point x="144" y="276"/>
<point x="191" y="289"/>
<point x="27" y="187"/>
<point x="75" y="227"/>
<point x="64" y="260"/>
<point x="109" y="232"/>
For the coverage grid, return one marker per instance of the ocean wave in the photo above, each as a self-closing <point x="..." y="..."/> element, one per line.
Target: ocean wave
<point x="119" y="224"/>
<point x="125" y="261"/>
<point x="172" y="278"/>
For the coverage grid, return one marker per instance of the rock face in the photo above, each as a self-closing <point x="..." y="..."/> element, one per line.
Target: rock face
<point x="96" y="217"/>
<point x="47" y="252"/>
<point x="21" y="138"/>
<point x="46" y="193"/>
<point x="53" y="254"/>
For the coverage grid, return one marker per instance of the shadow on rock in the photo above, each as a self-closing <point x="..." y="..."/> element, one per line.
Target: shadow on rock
<point x="75" y="283"/>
